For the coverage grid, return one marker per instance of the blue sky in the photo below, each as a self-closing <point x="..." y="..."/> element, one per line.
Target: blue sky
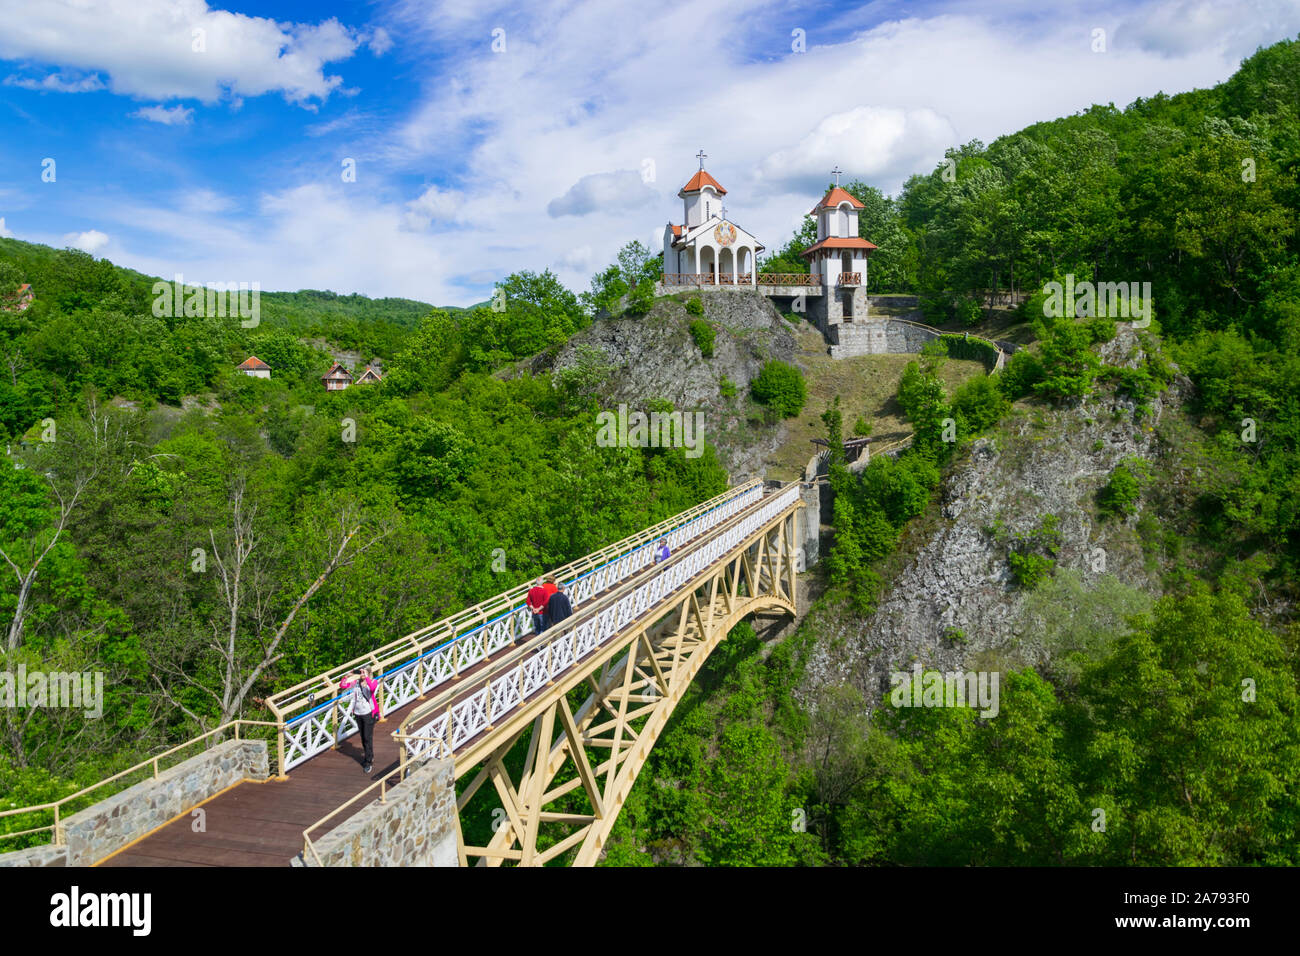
<point x="569" y="138"/>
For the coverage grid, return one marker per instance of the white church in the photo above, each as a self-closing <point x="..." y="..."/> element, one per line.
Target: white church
<point x="706" y="248"/>
<point x="709" y="251"/>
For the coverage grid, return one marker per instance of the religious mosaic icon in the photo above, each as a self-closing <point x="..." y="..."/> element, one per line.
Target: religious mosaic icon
<point x="724" y="233"/>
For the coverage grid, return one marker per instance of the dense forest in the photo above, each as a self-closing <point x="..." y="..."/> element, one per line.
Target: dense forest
<point x="144" y="465"/>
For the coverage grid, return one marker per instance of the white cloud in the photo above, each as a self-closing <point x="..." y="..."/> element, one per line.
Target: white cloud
<point x="58" y="83"/>
<point x="380" y="42"/>
<point x="203" y="202"/>
<point x="1182" y="27"/>
<point x="5" y="232"/>
<point x="168" y="116"/>
<point x="581" y="259"/>
<point x="878" y="143"/>
<point x="92" y="240"/>
<point x="151" y="48"/>
<point x="435" y="204"/>
<point x="622" y="189"/>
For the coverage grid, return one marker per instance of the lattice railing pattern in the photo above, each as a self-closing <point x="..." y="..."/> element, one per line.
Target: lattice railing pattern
<point x="788" y="278"/>
<point x="463" y="720"/>
<point x="320" y="728"/>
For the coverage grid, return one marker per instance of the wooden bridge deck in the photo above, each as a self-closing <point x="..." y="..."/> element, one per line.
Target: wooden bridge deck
<point x="261" y="824"/>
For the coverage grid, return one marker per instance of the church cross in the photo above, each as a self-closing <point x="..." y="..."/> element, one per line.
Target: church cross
<point x="724" y="210"/>
<point x="836" y="173"/>
<point x="701" y="157"/>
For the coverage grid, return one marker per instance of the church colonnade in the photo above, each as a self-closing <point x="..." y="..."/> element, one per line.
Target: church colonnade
<point x="723" y="264"/>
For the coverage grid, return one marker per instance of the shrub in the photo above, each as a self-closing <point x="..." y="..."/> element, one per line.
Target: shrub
<point x="1032" y="307"/>
<point x="703" y="334"/>
<point x="980" y="403"/>
<point x="695" y="305"/>
<point x="862" y="427"/>
<point x="1018" y="377"/>
<point x="1029" y="568"/>
<point x="1031" y="556"/>
<point x="780" y="387"/>
<point x="642" y="298"/>
<point x="727" y="387"/>
<point x="965" y="347"/>
<point x="1069" y="364"/>
<point x="1118" y="497"/>
<point x="1101" y="328"/>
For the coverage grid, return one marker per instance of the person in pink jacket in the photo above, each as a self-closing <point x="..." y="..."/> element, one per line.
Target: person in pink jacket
<point x="363" y="704"/>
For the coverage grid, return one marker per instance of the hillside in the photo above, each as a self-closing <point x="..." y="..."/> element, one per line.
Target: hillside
<point x="954" y="602"/>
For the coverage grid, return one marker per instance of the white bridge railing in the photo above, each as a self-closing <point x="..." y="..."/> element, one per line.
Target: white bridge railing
<point x="562" y="650"/>
<point x="325" y="724"/>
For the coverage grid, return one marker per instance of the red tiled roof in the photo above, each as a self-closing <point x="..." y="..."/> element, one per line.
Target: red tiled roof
<point x="834" y="197"/>
<point x="371" y="373"/>
<point x="677" y="230"/>
<point x="252" y="364"/>
<point x="336" y="367"/>
<point x="699" y="181"/>
<point x="845" y="243"/>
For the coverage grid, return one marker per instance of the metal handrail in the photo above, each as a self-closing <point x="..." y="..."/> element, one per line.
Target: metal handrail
<point x="568" y="630"/>
<point x="286" y="701"/>
<point x="407" y="652"/>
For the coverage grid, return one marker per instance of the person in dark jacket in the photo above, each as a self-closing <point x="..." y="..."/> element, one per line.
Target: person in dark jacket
<point x="558" y="607"/>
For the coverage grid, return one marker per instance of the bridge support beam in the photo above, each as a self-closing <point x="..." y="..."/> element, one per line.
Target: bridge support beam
<point x="564" y="793"/>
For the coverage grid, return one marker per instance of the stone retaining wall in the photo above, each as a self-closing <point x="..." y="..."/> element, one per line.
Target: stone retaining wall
<point x="877" y="337"/>
<point x="36" y="856"/>
<point x="415" y="826"/>
<point x="111" y="824"/>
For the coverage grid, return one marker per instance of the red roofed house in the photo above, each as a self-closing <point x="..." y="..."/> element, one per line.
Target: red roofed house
<point x="707" y="249"/>
<point x="254" y="367"/>
<point x="20" y="300"/>
<point x="371" y="374"/>
<point x="337" y="378"/>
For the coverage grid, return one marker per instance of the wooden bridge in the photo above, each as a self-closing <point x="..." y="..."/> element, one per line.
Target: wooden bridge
<point x="583" y="703"/>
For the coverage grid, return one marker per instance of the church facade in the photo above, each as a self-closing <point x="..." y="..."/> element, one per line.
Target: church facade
<point x="706" y="248"/>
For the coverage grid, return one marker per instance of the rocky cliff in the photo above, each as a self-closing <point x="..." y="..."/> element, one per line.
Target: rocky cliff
<point x="953" y="602"/>
<point x="654" y="357"/>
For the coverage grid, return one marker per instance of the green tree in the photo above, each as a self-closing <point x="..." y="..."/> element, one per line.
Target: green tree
<point x="779" y="386"/>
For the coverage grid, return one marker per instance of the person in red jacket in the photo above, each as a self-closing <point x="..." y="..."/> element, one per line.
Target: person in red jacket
<point x="363" y="704"/>
<point x="537" y="596"/>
